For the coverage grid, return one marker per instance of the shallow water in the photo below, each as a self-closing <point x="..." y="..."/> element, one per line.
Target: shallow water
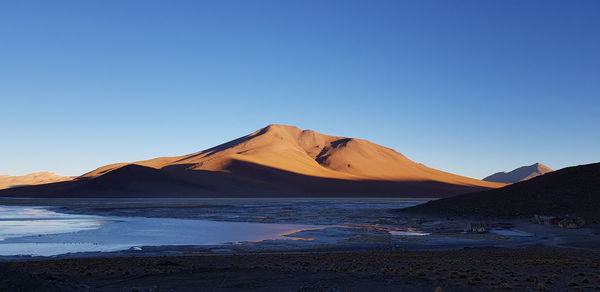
<point x="17" y="221"/>
<point x="318" y="211"/>
<point x="41" y="231"/>
<point x="511" y="232"/>
<point x="84" y="225"/>
<point x="408" y="233"/>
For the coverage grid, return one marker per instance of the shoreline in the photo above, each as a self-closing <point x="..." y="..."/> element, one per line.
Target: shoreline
<point x="364" y="256"/>
<point x="373" y="228"/>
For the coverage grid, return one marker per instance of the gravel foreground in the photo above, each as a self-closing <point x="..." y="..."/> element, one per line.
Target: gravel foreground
<point x="528" y="269"/>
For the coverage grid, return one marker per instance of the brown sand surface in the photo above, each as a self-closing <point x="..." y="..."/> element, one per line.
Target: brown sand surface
<point x="520" y="174"/>
<point x="277" y="160"/>
<point x="308" y="153"/>
<point x="44" y="177"/>
<point x="528" y="269"/>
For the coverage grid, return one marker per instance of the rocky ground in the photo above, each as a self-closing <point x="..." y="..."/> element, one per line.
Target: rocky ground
<point x="529" y="269"/>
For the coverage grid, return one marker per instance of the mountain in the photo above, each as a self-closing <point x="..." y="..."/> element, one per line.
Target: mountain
<point x="8" y="181"/>
<point x="571" y="191"/>
<point x="520" y="174"/>
<point x="277" y="160"/>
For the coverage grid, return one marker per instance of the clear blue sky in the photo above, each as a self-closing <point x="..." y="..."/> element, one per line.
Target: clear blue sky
<point x="471" y="87"/>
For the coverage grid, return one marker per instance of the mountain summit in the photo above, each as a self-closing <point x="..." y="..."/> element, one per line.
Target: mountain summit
<point x="277" y="160"/>
<point x="520" y="174"/>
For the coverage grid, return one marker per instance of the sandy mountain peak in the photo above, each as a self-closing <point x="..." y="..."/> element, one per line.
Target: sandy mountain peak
<point x="284" y="159"/>
<point x="519" y="174"/>
<point x="305" y="152"/>
<point x="542" y="167"/>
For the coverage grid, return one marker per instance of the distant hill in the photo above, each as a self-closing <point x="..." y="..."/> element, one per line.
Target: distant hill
<point x="9" y="181"/>
<point x="520" y="174"/>
<point x="571" y="191"/>
<point x="277" y="160"/>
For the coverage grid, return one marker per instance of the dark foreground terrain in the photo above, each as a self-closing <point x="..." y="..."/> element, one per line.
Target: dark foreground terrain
<point x="530" y="269"/>
<point x="571" y="191"/>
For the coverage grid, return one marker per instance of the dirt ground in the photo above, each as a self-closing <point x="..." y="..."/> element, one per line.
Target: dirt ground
<point x="528" y="269"/>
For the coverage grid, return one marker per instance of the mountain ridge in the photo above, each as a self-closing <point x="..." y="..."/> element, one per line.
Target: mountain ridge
<point x="288" y="160"/>
<point x="571" y="191"/>
<point x="522" y="173"/>
<point x="35" y="178"/>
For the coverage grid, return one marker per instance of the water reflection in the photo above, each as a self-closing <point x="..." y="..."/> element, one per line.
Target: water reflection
<point x="16" y="221"/>
<point x="41" y="231"/>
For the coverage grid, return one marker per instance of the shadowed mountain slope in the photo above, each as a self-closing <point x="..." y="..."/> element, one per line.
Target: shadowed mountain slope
<point x="520" y="174"/>
<point x="277" y="160"/>
<point x="571" y="191"/>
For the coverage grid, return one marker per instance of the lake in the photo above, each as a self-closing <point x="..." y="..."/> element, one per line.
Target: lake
<point x="41" y="231"/>
<point x="101" y="225"/>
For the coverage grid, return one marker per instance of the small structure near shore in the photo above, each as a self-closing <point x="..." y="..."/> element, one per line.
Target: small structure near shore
<point x="548" y="220"/>
<point x="571" y="222"/>
<point x="476" y="228"/>
<point x="564" y="222"/>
